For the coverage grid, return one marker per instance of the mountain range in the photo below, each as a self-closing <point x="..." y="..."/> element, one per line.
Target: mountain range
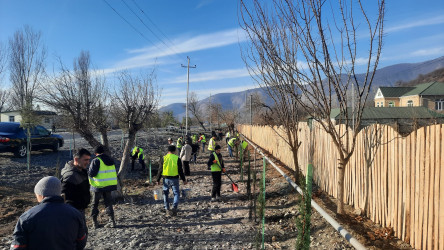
<point x="387" y="76"/>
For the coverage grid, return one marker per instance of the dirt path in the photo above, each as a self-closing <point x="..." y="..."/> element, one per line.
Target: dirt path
<point x="200" y="223"/>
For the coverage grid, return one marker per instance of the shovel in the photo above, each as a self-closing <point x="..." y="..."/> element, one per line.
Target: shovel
<point x="234" y="186"/>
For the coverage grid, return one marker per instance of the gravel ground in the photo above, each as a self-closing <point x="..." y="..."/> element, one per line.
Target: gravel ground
<point x="200" y="224"/>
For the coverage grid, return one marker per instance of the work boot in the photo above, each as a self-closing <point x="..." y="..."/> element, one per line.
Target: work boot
<point x="218" y="198"/>
<point x="174" y="211"/>
<point x="112" y="222"/>
<point x="95" y="223"/>
<point x="213" y="199"/>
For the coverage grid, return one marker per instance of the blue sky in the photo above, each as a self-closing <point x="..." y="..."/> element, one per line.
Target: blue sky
<point x="206" y="30"/>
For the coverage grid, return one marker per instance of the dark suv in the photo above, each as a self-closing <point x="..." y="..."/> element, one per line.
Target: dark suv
<point x="13" y="139"/>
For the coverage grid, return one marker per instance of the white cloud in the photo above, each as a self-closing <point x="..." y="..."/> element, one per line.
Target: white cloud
<point x="439" y="51"/>
<point x="416" y="23"/>
<point x="225" y="90"/>
<point x="147" y="56"/>
<point x="211" y="76"/>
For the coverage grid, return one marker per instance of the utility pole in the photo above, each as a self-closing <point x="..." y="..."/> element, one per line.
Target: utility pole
<point x="188" y="87"/>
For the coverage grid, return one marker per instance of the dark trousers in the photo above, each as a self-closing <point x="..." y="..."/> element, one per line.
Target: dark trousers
<point x="108" y="199"/>
<point x="186" y="167"/>
<point x="141" y="162"/>
<point x="217" y="183"/>
<point x="82" y="211"/>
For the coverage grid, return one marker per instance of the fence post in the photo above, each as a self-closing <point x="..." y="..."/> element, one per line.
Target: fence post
<point x="241" y="164"/>
<point x="249" y="187"/>
<point x="254" y="186"/>
<point x="150" y="170"/>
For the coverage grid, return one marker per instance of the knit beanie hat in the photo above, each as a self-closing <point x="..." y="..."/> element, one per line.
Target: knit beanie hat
<point x="48" y="186"/>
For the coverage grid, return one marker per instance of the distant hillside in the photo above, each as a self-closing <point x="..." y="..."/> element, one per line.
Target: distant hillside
<point x="234" y="100"/>
<point x="387" y="76"/>
<point x="434" y="76"/>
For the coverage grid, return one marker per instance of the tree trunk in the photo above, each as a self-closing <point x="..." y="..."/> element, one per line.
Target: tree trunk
<point x="126" y="155"/>
<point x="294" y="150"/>
<point x="105" y="141"/>
<point x="341" y="175"/>
<point x="89" y="137"/>
<point x="201" y="124"/>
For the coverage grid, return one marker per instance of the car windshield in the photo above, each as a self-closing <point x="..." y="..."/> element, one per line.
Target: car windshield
<point x="9" y="128"/>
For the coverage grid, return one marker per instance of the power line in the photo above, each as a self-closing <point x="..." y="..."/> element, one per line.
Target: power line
<point x="146" y="26"/>
<point x="154" y="24"/>
<point x="140" y="33"/>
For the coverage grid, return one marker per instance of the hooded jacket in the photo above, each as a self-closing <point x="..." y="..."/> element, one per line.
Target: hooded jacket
<point x="75" y="186"/>
<point x="50" y="225"/>
<point x="94" y="170"/>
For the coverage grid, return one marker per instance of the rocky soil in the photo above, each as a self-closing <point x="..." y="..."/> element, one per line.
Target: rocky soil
<point x="199" y="224"/>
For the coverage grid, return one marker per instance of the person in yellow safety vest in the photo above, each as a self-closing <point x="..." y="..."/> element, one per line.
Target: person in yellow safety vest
<point x="212" y="144"/>
<point x="103" y="179"/>
<point x="231" y="143"/>
<point x="137" y="153"/>
<point x="170" y="171"/>
<point x="203" y="140"/>
<point x="227" y="137"/>
<point x="194" y="139"/>
<point x="179" y="143"/>
<point x="216" y="165"/>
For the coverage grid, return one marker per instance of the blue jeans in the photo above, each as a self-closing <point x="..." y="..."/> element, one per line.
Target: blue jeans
<point x="174" y="184"/>
<point x="230" y="151"/>
<point x="203" y="147"/>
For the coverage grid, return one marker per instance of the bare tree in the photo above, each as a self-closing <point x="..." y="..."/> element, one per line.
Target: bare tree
<point x="230" y="117"/>
<point x="26" y="65"/>
<point x="196" y="110"/>
<point x="325" y="41"/>
<point x="134" y="102"/>
<point x="80" y="94"/>
<point x="4" y="93"/>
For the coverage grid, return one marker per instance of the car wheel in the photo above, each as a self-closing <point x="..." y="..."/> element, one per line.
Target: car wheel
<point x="21" y="151"/>
<point x="56" y="146"/>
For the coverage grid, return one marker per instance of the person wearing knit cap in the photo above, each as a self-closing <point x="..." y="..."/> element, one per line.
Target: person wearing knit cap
<point x="52" y="224"/>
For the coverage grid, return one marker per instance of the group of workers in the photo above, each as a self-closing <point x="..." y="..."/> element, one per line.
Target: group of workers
<point x="59" y="221"/>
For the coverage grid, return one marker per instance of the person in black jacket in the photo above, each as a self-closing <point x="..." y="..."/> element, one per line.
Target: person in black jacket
<point x="102" y="161"/>
<point x="75" y="183"/>
<point x="52" y="224"/>
<point x="217" y="167"/>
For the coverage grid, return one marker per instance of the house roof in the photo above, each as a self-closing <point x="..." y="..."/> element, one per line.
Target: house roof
<point x="373" y="113"/>
<point x="395" y="91"/>
<point x="37" y="112"/>
<point x="424" y="89"/>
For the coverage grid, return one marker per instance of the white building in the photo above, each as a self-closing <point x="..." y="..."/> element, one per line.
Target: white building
<point x="47" y="117"/>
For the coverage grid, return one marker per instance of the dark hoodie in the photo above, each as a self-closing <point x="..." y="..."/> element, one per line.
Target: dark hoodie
<point x="75" y="186"/>
<point x="94" y="170"/>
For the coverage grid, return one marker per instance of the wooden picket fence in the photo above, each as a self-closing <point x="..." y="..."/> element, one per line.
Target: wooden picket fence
<point x="405" y="177"/>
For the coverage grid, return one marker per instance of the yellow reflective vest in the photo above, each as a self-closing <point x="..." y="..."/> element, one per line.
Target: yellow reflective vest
<point x="106" y="176"/>
<point x="139" y="154"/>
<point x="231" y="142"/>
<point x="211" y="145"/>
<point x="228" y="135"/>
<point x="244" y="144"/>
<point x="179" y="143"/>
<point x="170" y="167"/>
<point x="216" y="167"/>
<point x="203" y="139"/>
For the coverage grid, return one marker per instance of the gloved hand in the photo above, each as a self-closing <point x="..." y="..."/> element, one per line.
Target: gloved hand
<point x="223" y="170"/>
<point x="215" y="161"/>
